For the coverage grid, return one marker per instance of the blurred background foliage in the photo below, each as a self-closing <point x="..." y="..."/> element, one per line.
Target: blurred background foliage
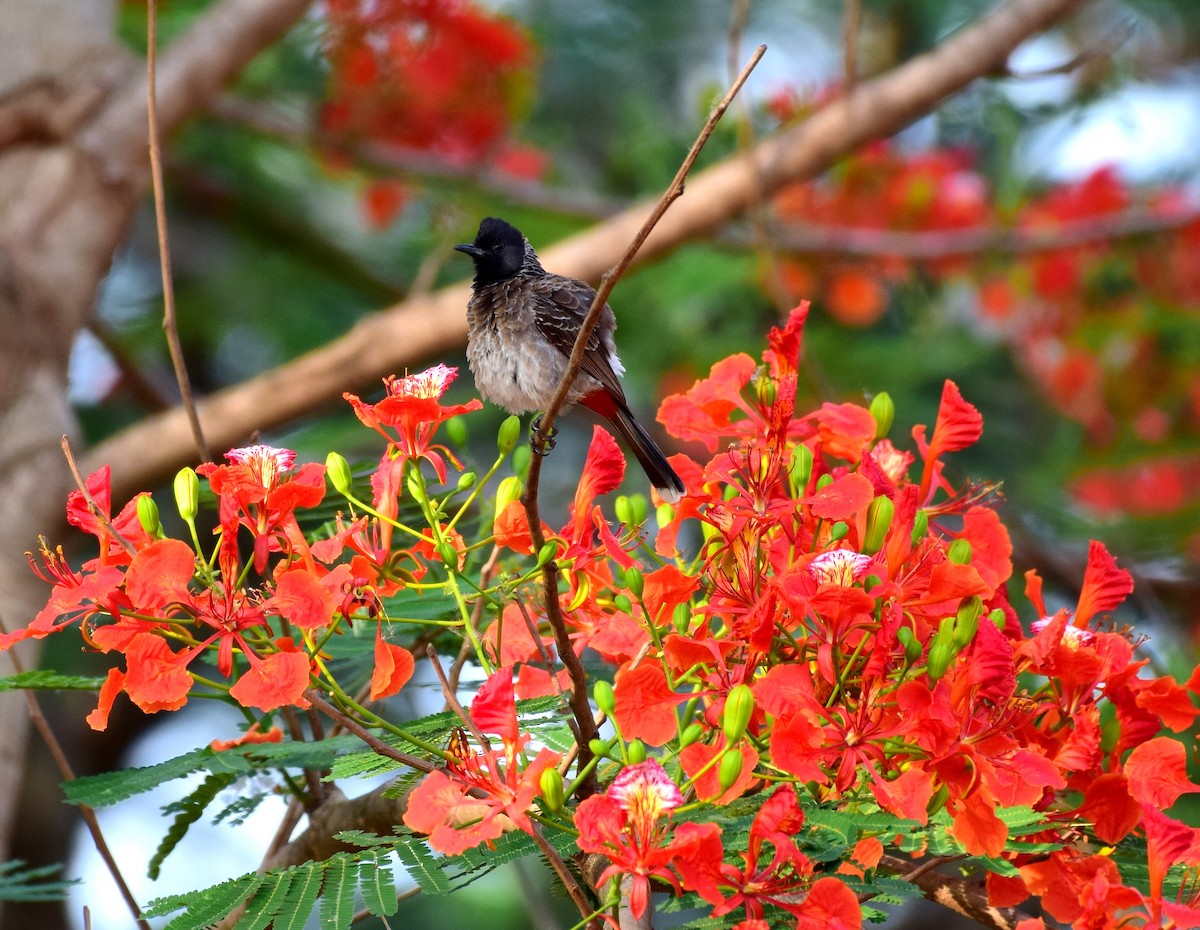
<point x="335" y="177"/>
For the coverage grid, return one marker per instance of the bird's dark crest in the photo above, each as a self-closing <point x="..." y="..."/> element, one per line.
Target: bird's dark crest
<point x="499" y="251"/>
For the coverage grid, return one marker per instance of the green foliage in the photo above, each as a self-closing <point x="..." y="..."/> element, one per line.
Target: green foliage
<point x="45" y="680"/>
<point x="284" y="898"/>
<point x="110" y="788"/>
<point x="30" y="885"/>
<point x="187" y="812"/>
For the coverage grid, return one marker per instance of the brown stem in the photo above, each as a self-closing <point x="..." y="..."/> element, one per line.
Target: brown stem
<point x="585" y="728"/>
<point x="170" y="326"/>
<point x="374" y="742"/>
<point x="68" y="773"/>
<point x="963" y="896"/>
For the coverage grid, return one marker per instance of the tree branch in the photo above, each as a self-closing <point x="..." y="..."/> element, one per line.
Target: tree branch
<point x="419" y="328"/>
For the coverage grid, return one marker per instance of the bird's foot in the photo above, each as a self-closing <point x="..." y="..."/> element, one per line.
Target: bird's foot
<point x="539" y="445"/>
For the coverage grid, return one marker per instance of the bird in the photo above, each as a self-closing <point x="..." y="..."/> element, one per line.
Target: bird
<point x="522" y="322"/>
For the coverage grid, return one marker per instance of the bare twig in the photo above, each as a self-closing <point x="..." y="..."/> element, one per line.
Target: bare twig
<point x="852" y="17"/>
<point x="164" y="248"/>
<point x="87" y="813"/>
<point x="452" y="699"/>
<point x="960" y="895"/>
<point x="374" y="742"/>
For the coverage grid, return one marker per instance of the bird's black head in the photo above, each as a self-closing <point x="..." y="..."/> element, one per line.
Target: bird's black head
<point x="499" y="252"/>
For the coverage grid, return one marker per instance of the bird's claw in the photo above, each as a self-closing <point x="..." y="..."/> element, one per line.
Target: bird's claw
<point x="541" y="446"/>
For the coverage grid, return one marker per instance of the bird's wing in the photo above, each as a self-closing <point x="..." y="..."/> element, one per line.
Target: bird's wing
<point x="562" y="305"/>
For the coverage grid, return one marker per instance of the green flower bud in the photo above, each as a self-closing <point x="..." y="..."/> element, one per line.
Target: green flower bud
<point x="739" y="708"/>
<point x="508" y="434"/>
<point x="999" y="620"/>
<point x="639" y="507"/>
<point x="147" y="513"/>
<point x="912" y="645"/>
<point x="553" y="793"/>
<point x="682" y="617"/>
<point x="766" y="390"/>
<point x="664" y="515"/>
<point x="622" y="509"/>
<point x="546" y="553"/>
<point x="509" y="490"/>
<point x="456" y="430"/>
<point x="416" y="486"/>
<point x="941" y="650"/>
<point x="448" y="554"/>
<point x="691" y="733"/>
<point x="966" y="623"/>
<point x="959" y="552"/>
<point x="800" y="469"/>
<point x="729" y="769"/>
<point x="598" y="748"/>
<point x="871" y="582"/>
<point x="824" y="481"/>
<point x="605" y="697"/>
<point x="839" y="530"/>
<point x="520" y="459"/>
<point x="879" y="521"/>
<point x="187" y="493"/>
<point x="467" y="480"/>
<point x="635" y="752"/>
<point x="920" y="526"/>
<point x="883" y="409"/>
<point x="623" y="603"/>
<point x="635" y="581"/>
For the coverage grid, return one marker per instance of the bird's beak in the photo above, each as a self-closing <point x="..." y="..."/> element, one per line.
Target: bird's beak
<point x="469" y="249"/>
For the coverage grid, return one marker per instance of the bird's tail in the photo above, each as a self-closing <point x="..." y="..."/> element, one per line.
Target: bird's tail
<point x="668" y="484"/>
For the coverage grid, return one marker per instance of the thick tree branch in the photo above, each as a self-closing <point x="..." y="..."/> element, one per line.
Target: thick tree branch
<point x="419" y="328"/>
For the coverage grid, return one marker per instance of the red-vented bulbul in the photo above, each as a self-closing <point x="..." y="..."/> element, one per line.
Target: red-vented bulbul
<point x="521" y="327"/>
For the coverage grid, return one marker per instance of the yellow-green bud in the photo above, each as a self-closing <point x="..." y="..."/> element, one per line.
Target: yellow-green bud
<point x="605" y="697"/>
<point x="509" y="490"/>
<point x="871" y="582"/>
<point x="623" y="603"/>
<point x="729" y="769"/>
<point x="999" y="620"/>
<point x="883" y="409"/>
<point x="800" y="469"/>
<point x="959" y="552"/>
<point x="682" y="617"/>
<point x="622" y="509"/>
<point x="635" y="581"/>
<point x="598" y="747"/>
<point x="766" y="390"/>
<point x="824" y="481"/>
<point x="639" y="509"/>
<point x="416" y="486"/>
<point x="553" y="793"/>
<point x="966" y="623"/>
<point x="839" y="530"/>
<point x="664" y="515"/>
<point x="508" y="434"/>
<point x="739" y="708"/>
<point x="147" y="513"/>
<point x="692" y="732"/>
<point x="467" y="480"/>
<point x="187" y="493"/>
<point x="337" y="471"/>
<point x="912" y="645"/>
<point x="520" y="459"/>
<point x="920" y="526"/>
<point x="456" y="430"/>
<point x="879" y="521"/>
<point x="941" y="650"/>
<point x="635" y="752"/>
<point x="546" y="553"/>
<point x="448" y="554"/>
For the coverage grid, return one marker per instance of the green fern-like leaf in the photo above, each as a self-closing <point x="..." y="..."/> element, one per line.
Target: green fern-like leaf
<point x="187" y="812"/>
<point x="267" y="902"/>
<point x="306" y="886"/>
<point x="45" y="680"/>
<point x="337" y="896"/>
<point x="21" y="884"/>
<point x="424" y="869"/>
<point x="208" y="906"/>
<point x="378" y="886"/>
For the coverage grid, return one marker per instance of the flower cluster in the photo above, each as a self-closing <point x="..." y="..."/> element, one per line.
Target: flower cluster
<point x="826" y="633"/>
